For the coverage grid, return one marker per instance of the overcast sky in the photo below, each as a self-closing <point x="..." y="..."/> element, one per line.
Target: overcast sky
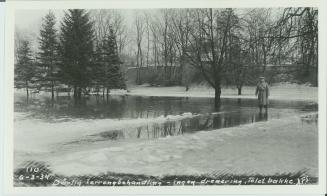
<point x="31" y="20"/>
<point x="28" y="22"/>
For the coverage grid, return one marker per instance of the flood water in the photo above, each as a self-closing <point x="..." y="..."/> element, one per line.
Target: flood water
<point x="202" y="115"/>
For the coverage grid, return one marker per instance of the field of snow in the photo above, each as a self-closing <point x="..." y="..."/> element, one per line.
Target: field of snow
<point x="284" y="145"/>
<point x="278" y="92"/>
<point x="35" y="135"/>
<point x="266" y="148"/>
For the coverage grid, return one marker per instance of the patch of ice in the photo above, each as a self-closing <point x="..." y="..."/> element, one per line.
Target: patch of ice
<point x="242" y="149"/>
<point x="96" y="158"/>
<point x="115" y="149"/>
<point x="35" y="135"/>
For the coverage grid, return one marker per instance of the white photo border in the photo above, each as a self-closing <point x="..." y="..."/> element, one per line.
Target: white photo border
<point x="12" y="6"/>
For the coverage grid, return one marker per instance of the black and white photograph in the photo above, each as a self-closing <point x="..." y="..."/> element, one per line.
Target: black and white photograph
<point x="214" y="96"/>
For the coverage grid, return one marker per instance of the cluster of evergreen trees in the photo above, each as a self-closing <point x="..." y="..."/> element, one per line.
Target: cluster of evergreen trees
<point x="69" y="58"/>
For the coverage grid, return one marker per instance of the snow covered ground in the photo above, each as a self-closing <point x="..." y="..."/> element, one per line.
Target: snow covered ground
<point x="35" y="135"/>
<point x="277" y="146"/>
<point x="278" y="92"/>
<point x="267" y="148"/>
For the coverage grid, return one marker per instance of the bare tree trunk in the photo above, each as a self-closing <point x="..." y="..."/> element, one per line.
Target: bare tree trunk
<point x="75" y="92"/>
<point x="165" y="46"/>
<point x="107" y="93"/>
<point x="217" y="97"/>
<point x="148" y="49"/>
<point x="239" y="90"/>
<point x="27" y="93"/>
<point x="155" y="53"/>
<point x="139" y="36"/>
<point x="79" y="90"/>
<point x="52" y="91"/>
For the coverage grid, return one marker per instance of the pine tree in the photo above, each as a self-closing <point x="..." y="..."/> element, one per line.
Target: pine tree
<point x="98" y="77"/>
<point x="48" y="55"/>
<point x="24" y="67"/>
<point x="113" y="73"/>
<point x="108" y="73"/>
<point x="76" y="50"/>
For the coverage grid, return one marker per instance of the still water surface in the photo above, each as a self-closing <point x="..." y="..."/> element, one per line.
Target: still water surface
<point x="203" y="116"/>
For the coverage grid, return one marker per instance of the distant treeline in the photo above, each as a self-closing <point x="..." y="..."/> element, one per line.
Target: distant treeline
<point x="274" y="74"/>
<point x="178" y="47"/>
<point x="226" y="47"/>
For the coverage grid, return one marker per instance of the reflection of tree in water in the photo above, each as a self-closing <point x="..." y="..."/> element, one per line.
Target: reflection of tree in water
<point x="139" y="108"/>
<point x="231" y="113"/>
<point x="139" y="129"/>
<point x="157" y="130"/>
<point x="101" y="108"/>
<point x="191" y="125"/>
<point x="117" y="106"/>
<point x="263" y="116"/>
<point x="217" y="122"/>
<point x="112" y="135"/>
<point x="87" y="107"/>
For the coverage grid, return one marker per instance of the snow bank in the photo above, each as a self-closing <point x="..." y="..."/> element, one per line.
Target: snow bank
<point x="266" y="148"/>
<point x="277" y="92"/>
<point x="280" y="91"/>
<point x="34" y="135"/>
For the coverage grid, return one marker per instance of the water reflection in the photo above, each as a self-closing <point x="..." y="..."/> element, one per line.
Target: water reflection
<point x="141" y="107"/>
<point x="179" y="127"/>
<point x="231" y="112"/>
<point x="263" y="116"/>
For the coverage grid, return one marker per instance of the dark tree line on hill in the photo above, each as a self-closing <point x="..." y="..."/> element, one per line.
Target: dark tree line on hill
<point x="69" y="58"/>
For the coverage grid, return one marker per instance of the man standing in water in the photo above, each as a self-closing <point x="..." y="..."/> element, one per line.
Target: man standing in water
<point x="262" y="92"/>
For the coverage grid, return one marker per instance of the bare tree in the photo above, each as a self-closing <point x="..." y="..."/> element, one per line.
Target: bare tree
<point x="168" y="46"/>
<point x="155" y="42"/>
<point x="139" y="24"/>
<point x="299" y="27"/>
<point x="104" y="20"/>
<point x="208" y="44"/>
<point x="147" y="29"/>
<point x="258" y="25"/>
<point x="181" y="29"/>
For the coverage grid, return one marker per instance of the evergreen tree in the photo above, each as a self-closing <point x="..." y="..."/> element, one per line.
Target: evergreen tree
<point x="76" y="50"/>
<point x="48" y="56"/>
<point x="24" y="67"/>
<point x="98" y="77"/>
<point x="108" y="74"/>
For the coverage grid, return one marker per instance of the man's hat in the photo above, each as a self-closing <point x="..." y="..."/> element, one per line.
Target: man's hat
<point x="261" y="77"/>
